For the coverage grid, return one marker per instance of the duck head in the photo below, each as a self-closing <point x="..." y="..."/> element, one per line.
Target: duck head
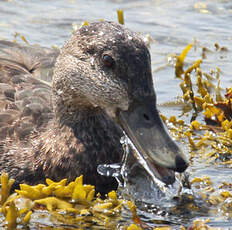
<point x="105" y="67"/>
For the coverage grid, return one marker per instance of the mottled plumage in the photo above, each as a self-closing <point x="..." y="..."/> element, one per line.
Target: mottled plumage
<point x="70" y="128"/>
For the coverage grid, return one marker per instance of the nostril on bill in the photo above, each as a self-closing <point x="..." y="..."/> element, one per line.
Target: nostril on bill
<point x="146" y="117"/>
<point x="181" y="164"/>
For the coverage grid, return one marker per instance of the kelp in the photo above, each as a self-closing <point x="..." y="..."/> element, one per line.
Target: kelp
<point x="180" y="61"/>
<point x="6" y="187"/>
<point x="75" y="26"/>
<point x="210" y="139"/>
<point x="22" y="37"/>
<point x="120" y="17"/>
<point x="209" y="133"/>
<point x="200" y="91"/>
<point x="74" y="203"/>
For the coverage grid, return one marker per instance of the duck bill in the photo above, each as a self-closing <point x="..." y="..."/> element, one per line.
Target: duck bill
<point x="144" y="127"/>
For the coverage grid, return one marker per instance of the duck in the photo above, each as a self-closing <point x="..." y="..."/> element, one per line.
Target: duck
<point x="63" y="112"/>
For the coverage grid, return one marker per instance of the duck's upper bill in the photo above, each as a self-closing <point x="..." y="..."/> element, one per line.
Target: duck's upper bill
<point x="144" y="127"/>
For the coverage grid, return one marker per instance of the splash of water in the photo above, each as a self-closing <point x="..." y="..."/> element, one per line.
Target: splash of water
<point x="147" y="188"/>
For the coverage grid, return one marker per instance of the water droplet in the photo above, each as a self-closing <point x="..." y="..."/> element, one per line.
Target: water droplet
<point x="171" y="59"/>
<point x="113" y="170"/>
<point x="59" y="91"/>
<point x="92" y="61"/>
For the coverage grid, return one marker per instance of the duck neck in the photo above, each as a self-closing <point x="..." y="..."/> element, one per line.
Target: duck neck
<point x="86" y="121"/>
<point x="81" y="140"/>
<point x="71" y="114"/>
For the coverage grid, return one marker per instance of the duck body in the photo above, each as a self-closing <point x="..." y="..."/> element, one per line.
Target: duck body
<point x="101" y="86"/>
<point x="81" y="149"/>
<point x="34" y="145"/>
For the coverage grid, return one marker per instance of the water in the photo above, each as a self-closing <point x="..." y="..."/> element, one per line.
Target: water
<point x="148" y="192"/>
<point x="120" y="171"/>
<point x="170" y="24"/>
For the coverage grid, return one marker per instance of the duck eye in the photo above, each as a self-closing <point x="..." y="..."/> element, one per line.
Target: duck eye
<point x="108" y="61"/>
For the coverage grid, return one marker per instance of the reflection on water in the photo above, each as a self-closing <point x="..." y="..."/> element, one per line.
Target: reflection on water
<point x="172" y="25"/>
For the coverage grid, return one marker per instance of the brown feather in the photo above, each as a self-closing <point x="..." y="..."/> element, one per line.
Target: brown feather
<point x="66" y="130"/>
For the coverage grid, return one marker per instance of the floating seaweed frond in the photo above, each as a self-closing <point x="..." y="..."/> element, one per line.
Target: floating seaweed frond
<point x="17" y="34"/>
<point x="6" y="187"/>
<point x="180" y="61"/>
<point x="73" y="198"/>
<point x="120" y="17"/>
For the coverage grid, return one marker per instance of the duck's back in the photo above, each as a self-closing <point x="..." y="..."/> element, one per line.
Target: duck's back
<point x="25" y="90"/>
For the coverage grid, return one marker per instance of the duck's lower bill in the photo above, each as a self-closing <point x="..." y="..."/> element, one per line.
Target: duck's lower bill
<point x="143" y="125"/>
